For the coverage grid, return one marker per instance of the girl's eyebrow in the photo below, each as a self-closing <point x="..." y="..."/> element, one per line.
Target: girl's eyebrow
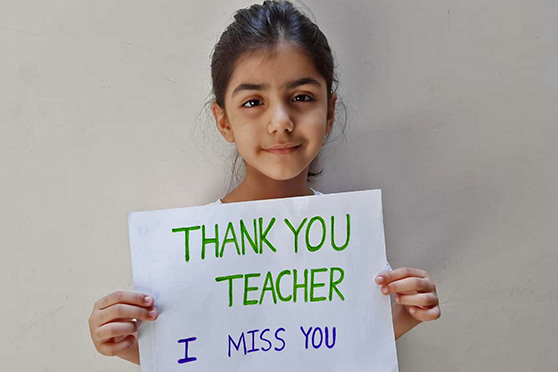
<point x="289" y="85"/>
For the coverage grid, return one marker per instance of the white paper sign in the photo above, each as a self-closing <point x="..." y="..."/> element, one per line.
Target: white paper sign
<point x="271" y="285"/>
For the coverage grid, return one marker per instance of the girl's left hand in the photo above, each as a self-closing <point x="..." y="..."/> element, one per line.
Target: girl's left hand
<point x="414" y="290"/>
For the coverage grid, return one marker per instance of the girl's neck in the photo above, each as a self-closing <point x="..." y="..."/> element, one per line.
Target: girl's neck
<point x="257" y="186"/>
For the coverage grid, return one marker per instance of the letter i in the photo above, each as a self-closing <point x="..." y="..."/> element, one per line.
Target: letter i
<point x="186" y="359"/>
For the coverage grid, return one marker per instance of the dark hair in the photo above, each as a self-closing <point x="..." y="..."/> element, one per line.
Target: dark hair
<point x="261" y="27"/>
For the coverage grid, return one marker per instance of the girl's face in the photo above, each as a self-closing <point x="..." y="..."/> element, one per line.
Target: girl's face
<point x="276" y="112"/>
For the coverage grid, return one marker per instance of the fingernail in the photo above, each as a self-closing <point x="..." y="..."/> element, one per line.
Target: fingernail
<point x="380" y="279"/>
<point x="152" y="313"/>
<point x="147" y="299"/>
<point x="385" y="290"/>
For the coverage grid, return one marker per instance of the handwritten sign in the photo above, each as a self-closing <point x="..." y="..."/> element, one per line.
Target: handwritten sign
<point x="271" y="285"/>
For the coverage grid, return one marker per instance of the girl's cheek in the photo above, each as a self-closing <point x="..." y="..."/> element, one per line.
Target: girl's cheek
<point x="246" y="143"/>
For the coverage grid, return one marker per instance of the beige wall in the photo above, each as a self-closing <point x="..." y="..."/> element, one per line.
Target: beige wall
<point x="453" y="111"/>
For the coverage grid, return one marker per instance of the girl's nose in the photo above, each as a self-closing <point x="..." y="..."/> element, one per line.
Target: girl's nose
<point x="280" y="120"/>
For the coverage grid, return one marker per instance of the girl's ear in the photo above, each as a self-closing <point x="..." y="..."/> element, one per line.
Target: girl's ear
<point x="331" y="113"/>
<point x="222" y="122"/>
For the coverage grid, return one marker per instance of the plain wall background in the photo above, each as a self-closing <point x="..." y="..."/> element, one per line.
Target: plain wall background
<point x="453" y="113"/>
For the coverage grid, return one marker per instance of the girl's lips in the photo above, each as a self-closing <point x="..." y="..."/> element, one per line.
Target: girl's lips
<point x="282" y="151"/>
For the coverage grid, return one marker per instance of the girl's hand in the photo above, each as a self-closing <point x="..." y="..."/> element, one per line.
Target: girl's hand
<point x="414" y="290"/>
<point x="112" y="326"/>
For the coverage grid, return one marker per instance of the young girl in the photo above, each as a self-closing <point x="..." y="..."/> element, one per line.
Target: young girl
<point x="273" y="81"/>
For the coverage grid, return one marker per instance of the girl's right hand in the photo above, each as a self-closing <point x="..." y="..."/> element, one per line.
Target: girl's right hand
<point x="112" y="323"/>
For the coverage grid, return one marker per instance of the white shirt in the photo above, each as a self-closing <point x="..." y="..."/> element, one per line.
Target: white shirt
<point x="218" y="201"/>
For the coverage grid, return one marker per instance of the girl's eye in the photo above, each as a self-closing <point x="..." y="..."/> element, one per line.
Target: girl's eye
<point x="252" y="100"/>
<point x="305" y="95"/>
<point x="300" y="95"/>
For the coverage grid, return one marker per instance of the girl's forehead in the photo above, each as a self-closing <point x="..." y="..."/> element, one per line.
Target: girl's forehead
<point x="277" y="65"/>
<point x="274" y="56"/>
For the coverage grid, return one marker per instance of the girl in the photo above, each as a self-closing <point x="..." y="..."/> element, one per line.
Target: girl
<point x="273" y="81"/>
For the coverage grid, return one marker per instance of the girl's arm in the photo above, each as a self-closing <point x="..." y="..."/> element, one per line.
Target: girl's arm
<point x="132" y="354"/>
<point x="403" y="322"/>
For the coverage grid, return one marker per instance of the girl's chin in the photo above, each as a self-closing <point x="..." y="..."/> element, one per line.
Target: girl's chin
<point x="279" y="171"/>
<point x="283" y="175"/>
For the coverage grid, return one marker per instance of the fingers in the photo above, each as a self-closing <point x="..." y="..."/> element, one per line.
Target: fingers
<point x="409" y="286"/>
<point x="387" y="277"/>
<point x="425" y="314"/>
<point x="118" y="338"/>
<point x="414" y="289"/>
<point x="116" y="331"/>
<point x="124" y="311"/>
<point x="128" y="305"/>
<point x="112" y="322"/>
<point x="124" y="297"/>
<point x="419" y="299"/>
<point x="405" y="280"/>
<point x="113" y="348"/>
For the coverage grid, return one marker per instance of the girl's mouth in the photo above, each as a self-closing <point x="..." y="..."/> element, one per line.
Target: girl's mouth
<point x="282" y="150"/>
